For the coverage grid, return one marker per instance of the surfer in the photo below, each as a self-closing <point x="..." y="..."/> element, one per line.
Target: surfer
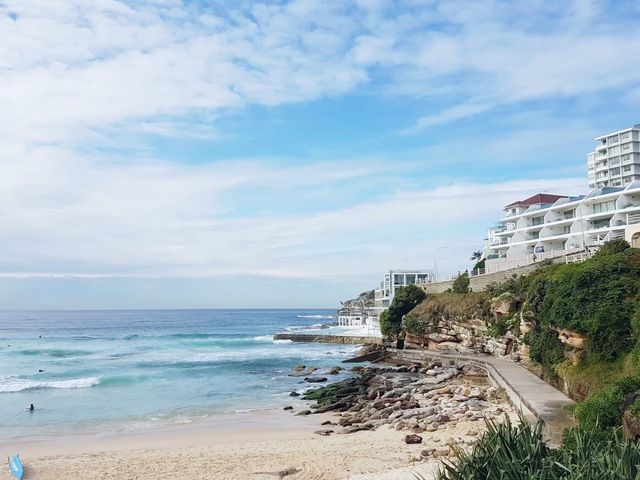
<point x="31" y="408"/>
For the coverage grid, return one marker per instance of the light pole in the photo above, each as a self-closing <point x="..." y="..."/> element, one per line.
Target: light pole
<point x="435" y="262"/>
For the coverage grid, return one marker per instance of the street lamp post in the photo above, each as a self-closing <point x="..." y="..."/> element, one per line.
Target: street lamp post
<point x="435" y="262"/>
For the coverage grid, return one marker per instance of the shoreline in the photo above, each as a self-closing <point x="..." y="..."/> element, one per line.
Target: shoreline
<point x="255" y="444"/>
<point x="260" y="444"/>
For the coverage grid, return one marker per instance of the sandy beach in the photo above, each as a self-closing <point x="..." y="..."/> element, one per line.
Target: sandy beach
<point x="365" y="439"/>
<point x="254" y="445"/>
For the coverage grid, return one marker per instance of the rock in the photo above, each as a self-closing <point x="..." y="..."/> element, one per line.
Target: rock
<point x="575" y="339"/>
<point x="315" y="379"/>
<point x="288" y="408"/>
<point x="304" y="412"/>
<point x="441" y="452"/>
<point x="412" y="439"/>
<point x="630" y="421"/>
<point x="294" y="394"/>
<point x="324" y="433"/>
<point x="427" y="452"/>
<point x="327" y="422"/>
<point x="334" y="371"/>
<point x="301" y="372"/>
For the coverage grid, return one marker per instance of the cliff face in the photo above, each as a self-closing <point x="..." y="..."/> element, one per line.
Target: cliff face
<point x="467" y="323"/>
<point x="365" y="299"/>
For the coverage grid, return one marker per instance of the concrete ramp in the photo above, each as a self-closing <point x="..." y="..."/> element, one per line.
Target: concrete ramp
<point x="530" y="394"/>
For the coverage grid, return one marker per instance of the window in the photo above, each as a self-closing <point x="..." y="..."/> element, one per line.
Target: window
<point x="601" y="223"/>
<point x="614" y="171"/>
<point x="603" y="207"/>
<point x="626" y="158"/>
<point x="626" y="168"/>
<point x="569" y="214"/>
<point x="616" y="183"/>
<point x="613" y="139"/>
<point x="626" y="147"/>
<point x="625" y="136"/>
<point x="614" y="161"/>
<point x="627" y="180"/>
<point x="614" y="150"/>
<point x="566" y="230"/>
<point x="411" y="279"/>
<point x="537" y="221"/>
<point x="397" y="279"/>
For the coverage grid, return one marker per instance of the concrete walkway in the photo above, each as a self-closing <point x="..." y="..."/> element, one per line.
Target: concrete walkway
<point x="533" y="396"/>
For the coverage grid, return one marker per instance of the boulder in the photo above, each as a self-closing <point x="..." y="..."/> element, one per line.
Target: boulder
<point x="574" y="339"/>
<point x="412" y="439"/>
<point x="289" y="407"/>
<point x="315" y="379"/>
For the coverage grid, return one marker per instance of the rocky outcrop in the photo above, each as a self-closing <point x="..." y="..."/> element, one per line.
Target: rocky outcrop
<point x="466" y="336"/>
<point x="573" y="339"/>
<point x="426" y="399"/>
<point x="468" y="324"/>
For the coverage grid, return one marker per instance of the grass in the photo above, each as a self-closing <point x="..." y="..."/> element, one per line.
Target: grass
<point x="592" y="375"/>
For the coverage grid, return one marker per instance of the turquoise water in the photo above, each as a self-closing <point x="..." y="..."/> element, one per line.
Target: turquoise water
<point x="108" y="371"/>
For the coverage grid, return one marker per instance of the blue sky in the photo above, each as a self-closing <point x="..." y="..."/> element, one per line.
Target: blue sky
<point x="168" y="153"/>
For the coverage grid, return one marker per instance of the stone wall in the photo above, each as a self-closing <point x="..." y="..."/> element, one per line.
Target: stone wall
<point x="479" y="283"/>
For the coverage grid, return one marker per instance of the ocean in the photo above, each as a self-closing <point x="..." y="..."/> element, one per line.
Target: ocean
<point x="104" y="372"/>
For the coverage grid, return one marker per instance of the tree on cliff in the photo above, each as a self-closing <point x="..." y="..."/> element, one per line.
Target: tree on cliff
<point x="405" y="299"/>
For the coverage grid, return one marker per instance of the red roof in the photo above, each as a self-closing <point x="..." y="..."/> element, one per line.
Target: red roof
<point x="536" y="200"/>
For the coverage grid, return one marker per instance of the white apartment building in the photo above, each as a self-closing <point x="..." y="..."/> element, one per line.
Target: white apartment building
<point x="395" y="279"/>
<point x="546" y="226"/>
<point x="616" y="160"/>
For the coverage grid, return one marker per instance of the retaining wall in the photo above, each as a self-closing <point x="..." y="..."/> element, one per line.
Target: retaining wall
<point x="479" y="282"/>
<point x="340" y="339"/>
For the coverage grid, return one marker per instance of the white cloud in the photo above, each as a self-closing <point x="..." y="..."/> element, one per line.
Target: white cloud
<point x="81" y="75"/>
<point x="92" y="218"/>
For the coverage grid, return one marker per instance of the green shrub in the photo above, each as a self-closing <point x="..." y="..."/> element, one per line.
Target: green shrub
<point x="618" y="245"/>
<point x="415" y="325"/>
<point x="505" y="451"/>
<point x="404" y="300"/>
<point x="597" y="298"/>
<point x="386" y="326"/>
<point x="516" y="285"/>
<point x="545" y="348"/>
<point x="603" y="409"/>
<point x="518" y="452"/>
<point x="461" y="283"/>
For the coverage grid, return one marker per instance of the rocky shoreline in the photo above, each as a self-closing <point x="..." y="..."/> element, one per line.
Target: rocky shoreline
<point x="417" y="399"/>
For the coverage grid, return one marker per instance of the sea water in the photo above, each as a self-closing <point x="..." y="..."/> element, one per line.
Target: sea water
<point x="109" y="371"/>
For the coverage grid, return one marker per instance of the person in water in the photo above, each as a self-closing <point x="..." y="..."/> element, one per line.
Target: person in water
<point x="31" y="407"/>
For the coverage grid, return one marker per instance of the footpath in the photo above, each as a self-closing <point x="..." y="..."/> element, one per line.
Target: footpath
<point x="533" y="396"/>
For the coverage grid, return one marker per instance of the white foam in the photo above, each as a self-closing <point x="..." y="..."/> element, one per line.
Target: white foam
<point x="263" y="338"/>
<point x="14" y="384"/>
<point x="283" y="341"/>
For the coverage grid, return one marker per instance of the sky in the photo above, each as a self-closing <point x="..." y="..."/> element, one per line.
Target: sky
<point x="192" y="154"/>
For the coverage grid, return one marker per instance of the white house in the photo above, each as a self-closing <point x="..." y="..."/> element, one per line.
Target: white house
<point x="395" y="279"/>
<point x="545" y="226"/>
<point x="616" y="160"/>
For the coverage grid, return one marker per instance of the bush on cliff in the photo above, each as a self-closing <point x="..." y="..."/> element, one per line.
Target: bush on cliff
<point x="461" y="283"/>
<point x="404" y="300"/>
<point x="596" y="298"/>
<point x="603" y="409"/>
